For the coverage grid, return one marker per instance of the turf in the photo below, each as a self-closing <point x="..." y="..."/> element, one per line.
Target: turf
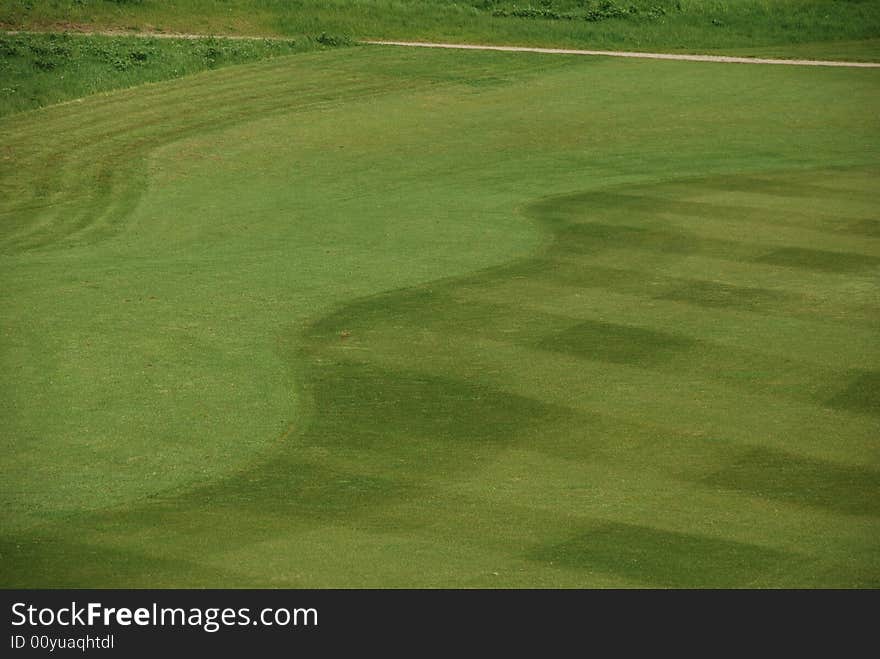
<point x="391" y="318"/>
<point x="824" y="29"/>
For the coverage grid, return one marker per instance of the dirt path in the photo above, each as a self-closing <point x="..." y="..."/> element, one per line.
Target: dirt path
<point x="615" y="53"/>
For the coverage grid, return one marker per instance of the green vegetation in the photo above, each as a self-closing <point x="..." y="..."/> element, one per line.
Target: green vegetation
<point x="381" y="317"/>
<point x="41" y="69"/>
<point x="803" y="28"/>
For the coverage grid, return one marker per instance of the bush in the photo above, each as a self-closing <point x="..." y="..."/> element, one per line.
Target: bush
<point x="332" y="40"/>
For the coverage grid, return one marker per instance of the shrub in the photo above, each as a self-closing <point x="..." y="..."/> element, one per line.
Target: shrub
<point x="332" y="40"/>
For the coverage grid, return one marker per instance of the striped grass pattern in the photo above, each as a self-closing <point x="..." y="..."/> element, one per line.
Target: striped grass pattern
<point x="386" y="318"/>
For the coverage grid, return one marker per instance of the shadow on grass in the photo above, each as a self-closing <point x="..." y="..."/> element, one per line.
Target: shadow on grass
<point x="666" y="559"/>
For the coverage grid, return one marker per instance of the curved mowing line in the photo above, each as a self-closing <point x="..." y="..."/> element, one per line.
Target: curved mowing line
<point x="725" y="59"/>
<point x="116" y="140"/>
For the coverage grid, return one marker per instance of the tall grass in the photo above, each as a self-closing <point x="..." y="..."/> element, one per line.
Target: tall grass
<point x="796" y="27"/>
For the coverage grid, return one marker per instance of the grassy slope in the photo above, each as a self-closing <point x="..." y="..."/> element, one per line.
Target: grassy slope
<point x="804" y="28"/>
<point x="40" y="69"/>
<point x="672" y="381"/>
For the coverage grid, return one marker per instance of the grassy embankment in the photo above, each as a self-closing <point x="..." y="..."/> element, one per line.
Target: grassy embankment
<point x="41" y="69"/>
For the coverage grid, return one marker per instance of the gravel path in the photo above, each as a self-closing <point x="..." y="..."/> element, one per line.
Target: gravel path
<point x="616" y="53"/>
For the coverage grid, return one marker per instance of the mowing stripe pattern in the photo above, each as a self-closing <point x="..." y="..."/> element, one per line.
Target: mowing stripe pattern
<point x="668" y="376"/>
<point x="576" y="357"/>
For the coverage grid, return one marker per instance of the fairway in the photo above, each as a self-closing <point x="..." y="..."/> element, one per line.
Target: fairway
<point x="380" y="317"/>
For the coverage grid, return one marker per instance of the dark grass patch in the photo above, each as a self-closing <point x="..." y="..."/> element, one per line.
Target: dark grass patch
<point x="668" y="559"/>
<point x="718" y="295"/>
<point x="593" y="206"/>
<point x="772" y="474"/>
<point x="376" y="406"/>
<point x="586" y="223"/>
<point x="618" y="344"/>
<point x="579" y="206"/>
<point x="864" y="228"/>
<point x="290" y="485"/>
<point x="821" y="260"/>
<point x="862" y="395"/>
<point x="61" y="562"/>
<point x="441" y="312"/>
<point x="593" y="236"/>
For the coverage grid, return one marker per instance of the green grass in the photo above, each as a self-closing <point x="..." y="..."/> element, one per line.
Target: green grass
<point x="376" y="317"/>
<point x="788" y="28"/>
<point x="41" y="69"/>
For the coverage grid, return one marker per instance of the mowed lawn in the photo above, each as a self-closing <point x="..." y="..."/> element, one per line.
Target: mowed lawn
<point x="391" y="318"/>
